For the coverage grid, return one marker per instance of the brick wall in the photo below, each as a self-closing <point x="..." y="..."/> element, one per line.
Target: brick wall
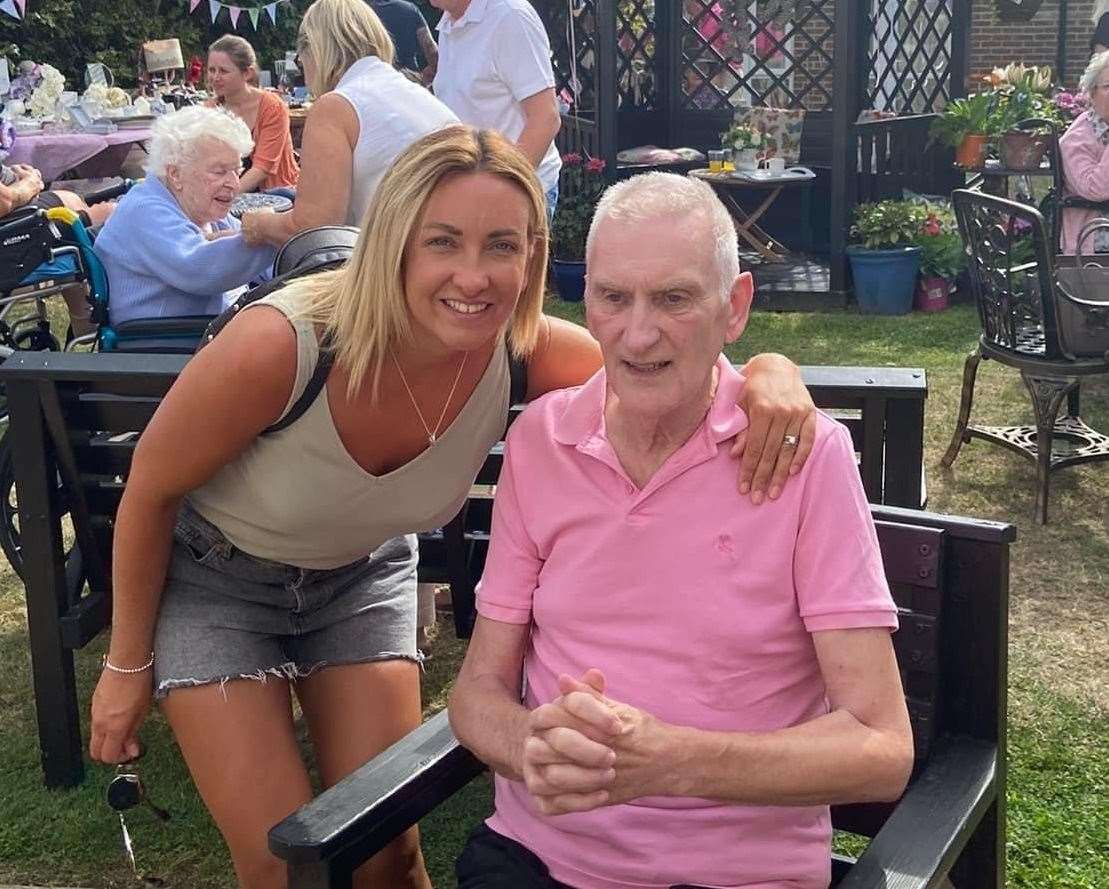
<point x="994" y="42"/>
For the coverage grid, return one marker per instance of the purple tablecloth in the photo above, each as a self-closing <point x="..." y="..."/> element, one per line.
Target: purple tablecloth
<point x="54" y="153"/>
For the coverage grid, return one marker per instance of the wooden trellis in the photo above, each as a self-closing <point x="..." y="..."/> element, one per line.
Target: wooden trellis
<point x="674" y="72"/>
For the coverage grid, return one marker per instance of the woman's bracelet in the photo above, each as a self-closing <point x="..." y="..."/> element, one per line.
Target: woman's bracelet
<point x="108" y="665"/>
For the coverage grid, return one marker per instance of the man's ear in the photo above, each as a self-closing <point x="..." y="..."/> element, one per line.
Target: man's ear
<point x="739" y="305"/>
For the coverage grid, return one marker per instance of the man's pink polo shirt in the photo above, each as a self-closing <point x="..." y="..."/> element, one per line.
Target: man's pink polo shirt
<point x="698" y="607"/>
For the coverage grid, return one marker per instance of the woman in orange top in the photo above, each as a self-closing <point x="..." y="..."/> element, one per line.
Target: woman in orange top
<point x="232" y="76"/>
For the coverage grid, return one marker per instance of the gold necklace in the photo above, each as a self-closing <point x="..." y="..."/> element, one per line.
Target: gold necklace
<point x="432" y="435"/>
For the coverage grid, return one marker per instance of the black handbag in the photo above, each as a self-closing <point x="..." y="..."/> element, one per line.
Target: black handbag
<point x="1082" y="307"/>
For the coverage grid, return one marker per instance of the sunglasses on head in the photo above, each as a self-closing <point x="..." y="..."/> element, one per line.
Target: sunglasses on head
<point x="126" y="791"/>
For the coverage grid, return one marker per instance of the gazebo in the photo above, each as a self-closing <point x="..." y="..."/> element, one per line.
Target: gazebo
<point x="675" y="72"/>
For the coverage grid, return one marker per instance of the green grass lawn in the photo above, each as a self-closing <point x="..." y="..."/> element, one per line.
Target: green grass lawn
<point x="1059" y="683"/>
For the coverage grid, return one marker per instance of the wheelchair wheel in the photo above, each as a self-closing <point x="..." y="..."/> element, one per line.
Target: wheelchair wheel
<point x="9" y="509"/>
<point x="36" y="339"/>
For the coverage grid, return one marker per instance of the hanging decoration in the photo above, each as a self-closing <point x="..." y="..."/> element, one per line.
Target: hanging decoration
<point x="15" y="8"/>
<point x="253" y="13"/>
<point x="1018" y="10"/>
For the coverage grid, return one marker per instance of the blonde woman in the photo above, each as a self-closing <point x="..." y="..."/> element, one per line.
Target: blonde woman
<point x="233" y="77"/>
<point x="365" y="114"/>
<point x="249" y="564"/>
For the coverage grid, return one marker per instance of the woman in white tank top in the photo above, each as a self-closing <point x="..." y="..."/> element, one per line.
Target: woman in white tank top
<point x="249" y="565"/>
<point x="365" y="113"/>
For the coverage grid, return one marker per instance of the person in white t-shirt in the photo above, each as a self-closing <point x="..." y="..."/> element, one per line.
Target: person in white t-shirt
<point x="495" y="72"/>
<point x="364" y="115"/>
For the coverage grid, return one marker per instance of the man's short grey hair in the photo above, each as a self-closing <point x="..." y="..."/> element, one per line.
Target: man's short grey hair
<point x="175" y="137"/>
<point x="1093" y="72"/>
<point x="672" y="200"/>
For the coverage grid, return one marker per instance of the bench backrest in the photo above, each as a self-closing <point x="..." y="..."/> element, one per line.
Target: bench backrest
<point x="79" y="417"/>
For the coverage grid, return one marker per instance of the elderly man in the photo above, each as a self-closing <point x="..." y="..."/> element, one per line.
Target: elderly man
<point x="671" y="684"/>
<point x="495" y="73"/>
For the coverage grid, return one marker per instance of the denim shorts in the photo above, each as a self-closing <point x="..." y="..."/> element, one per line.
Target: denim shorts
<point x="226" y="614"/>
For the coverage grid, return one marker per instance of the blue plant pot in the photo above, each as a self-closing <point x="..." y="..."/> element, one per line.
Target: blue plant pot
<point x="884" y="279"/>
<point x="569" y="279"/>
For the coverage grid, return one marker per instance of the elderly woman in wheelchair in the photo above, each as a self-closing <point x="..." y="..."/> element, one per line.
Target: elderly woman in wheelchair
<point x="172" y="249"/>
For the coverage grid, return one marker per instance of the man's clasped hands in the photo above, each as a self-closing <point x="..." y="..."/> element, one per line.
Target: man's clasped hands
<point x="584" y="750"/>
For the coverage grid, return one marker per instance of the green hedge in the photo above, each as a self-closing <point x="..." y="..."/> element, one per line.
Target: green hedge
<point x="68" y="34"/>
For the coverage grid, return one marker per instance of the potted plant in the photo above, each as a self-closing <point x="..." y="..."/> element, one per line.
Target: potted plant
<point x="885" y="258"/>
<point x="745" y="140"/>
<point x="581" y="184"/>
<point x="1024" y="95"/>
<point x="966" y="125"/>
<point x="942" y="257"/>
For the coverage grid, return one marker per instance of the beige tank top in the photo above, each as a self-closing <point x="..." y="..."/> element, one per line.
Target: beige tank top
<point x="297" y="496"/>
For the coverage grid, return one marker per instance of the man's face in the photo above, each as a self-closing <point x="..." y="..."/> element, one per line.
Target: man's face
<point x="653" y="302"/>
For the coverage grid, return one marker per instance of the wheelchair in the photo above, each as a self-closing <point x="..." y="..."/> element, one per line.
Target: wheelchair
<point x="64" y="242"/>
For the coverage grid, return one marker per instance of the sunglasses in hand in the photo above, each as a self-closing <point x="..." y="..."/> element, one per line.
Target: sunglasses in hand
<point x="126" y="791"/>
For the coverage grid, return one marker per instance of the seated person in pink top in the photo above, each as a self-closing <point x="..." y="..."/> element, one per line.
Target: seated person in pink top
<point x="1085" y="159"/>
<point x="671" y="684"/>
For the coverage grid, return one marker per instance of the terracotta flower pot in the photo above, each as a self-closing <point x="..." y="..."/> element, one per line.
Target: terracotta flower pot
<point x="1022" y="151"/>
<point x="971" y="152"/>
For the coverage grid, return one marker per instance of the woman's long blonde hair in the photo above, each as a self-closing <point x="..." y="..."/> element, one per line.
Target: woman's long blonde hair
<point x="362" y="306"/>
<point x="337" y="33"/>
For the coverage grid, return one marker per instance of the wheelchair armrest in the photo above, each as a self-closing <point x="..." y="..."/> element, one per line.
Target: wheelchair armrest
<point x="929" y="827"/>
<point x="374" y="804"/>
<point x="109" y="192"/>
<point x="1073" y="201"/>
<point x="179" y="335"/>
<point x="25" y="218"/>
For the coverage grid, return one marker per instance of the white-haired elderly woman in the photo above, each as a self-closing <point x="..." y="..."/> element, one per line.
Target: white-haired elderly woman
<point x="171" y="248"/>
<point x="1082" y="149"/>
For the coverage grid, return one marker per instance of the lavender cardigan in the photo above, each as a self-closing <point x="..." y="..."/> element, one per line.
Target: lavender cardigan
<point x="1086" y="174"/>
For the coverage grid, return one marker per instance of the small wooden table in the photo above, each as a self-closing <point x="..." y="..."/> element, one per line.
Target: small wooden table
<point x="746" y="223"/>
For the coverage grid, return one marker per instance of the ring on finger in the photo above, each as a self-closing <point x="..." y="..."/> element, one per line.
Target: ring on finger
<point x="790" y="441"/>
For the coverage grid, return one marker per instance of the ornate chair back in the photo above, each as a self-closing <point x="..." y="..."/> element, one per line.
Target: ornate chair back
<point x="1011" y="272"/>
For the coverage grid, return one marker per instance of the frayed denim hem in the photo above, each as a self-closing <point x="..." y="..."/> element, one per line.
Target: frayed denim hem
<point x="288" y="671"/>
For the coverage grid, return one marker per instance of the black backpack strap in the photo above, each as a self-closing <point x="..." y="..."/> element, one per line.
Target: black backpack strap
<point x="517" y="380"/>
<point x="315" y="384"/>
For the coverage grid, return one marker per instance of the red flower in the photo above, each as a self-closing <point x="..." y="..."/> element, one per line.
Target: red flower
<point x="932" y="225"/>
<point x="595" y="165"/>
<point x="572" y="159"/>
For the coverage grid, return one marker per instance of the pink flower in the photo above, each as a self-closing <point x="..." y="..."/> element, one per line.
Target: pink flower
<point x="932" y="226"/>
<point x="595" y="165"/>
<point x="572" y="159"/>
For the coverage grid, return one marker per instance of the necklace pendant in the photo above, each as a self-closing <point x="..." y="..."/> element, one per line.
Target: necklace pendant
<point x="431" y="439"/>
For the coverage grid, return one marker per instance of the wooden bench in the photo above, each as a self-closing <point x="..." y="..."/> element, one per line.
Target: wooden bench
<point x="75" y="420"/>
<point x="950" y="579"/>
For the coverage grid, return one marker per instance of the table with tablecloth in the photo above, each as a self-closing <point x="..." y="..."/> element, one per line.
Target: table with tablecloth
<point x="97" y="154"/>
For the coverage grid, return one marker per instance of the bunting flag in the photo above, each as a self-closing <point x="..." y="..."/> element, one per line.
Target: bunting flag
<point x="22" y="4"/>
<point x="10" y="8"/>
<point x="214" y="6"/>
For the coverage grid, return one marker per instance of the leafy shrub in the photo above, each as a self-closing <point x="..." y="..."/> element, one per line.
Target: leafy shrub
<point x="888" y="224"/>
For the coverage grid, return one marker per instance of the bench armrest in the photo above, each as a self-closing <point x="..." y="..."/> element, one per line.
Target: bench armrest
<point x="374" y="804"/>
<point x="924" y="835"/>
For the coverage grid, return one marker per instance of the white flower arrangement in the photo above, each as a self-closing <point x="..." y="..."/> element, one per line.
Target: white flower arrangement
<point x="45" y="96"/>
<point x="108" y="96"/>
